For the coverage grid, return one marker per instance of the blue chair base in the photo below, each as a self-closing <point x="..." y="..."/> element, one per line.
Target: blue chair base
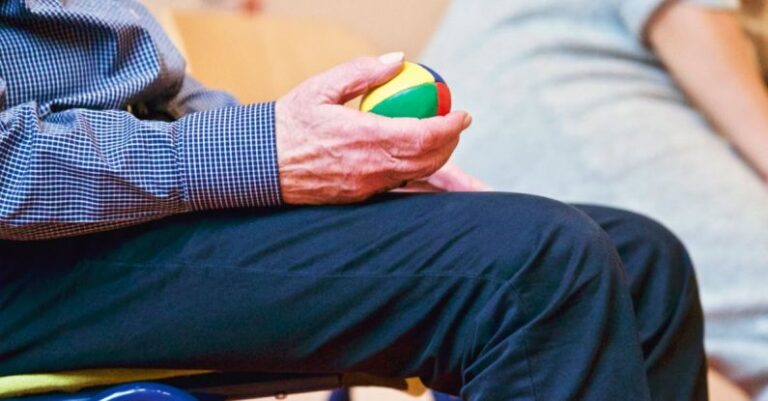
<point x="231" y="386"/>
<point x="139" y="391"/>
<point x="209" y="387"/>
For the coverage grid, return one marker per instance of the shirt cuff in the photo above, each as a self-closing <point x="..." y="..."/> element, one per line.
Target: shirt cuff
<point x="638" y="13"/>
<point x="229" y="157"/>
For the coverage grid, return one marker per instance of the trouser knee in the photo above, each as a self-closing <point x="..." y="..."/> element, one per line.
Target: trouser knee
<point x="562" y="295"/>
<point x="541" y="243"/>
<point x="547" y="257"/>
<point x="656" y="262"/>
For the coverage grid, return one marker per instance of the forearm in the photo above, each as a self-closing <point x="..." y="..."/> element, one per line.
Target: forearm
<point x="81" y="171"/>
<point x="713" y="61"/>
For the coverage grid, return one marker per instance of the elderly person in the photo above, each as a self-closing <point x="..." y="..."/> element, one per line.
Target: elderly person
<point x="491" y="296"/>
<point x="656" y="106"/>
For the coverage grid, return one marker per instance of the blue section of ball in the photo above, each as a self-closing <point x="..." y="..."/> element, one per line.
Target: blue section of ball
<point x="437" y="76"/>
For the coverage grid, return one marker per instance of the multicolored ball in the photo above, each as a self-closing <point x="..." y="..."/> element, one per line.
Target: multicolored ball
<point x="416" y="92"/>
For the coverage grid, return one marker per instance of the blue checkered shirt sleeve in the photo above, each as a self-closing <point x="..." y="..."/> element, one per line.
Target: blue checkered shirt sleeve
<point x="74" y="160"/>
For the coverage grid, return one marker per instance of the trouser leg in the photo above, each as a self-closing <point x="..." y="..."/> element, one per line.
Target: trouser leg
<point x="666" y="302"/>
<point x="495" y="296"/>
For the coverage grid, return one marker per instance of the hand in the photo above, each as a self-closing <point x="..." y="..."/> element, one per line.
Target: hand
<point x="329" y="154"/>
<point x="450" y="178"/>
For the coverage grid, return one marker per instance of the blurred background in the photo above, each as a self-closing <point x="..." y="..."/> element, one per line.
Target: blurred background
<point x="260" y="49"/>
<point x="289" y="40"/>
<point x="314" y="35"/>
<point x="384" y="24"/>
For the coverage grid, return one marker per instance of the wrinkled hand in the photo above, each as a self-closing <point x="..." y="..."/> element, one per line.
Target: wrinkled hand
<point x="450" y="178"/>
<point x="330" y="154"/>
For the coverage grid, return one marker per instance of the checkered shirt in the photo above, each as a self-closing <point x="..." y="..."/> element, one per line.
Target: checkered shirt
<point x="100" y="128"/>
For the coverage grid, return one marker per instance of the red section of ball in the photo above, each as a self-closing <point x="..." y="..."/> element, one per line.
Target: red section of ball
<point x="443" y="99"/>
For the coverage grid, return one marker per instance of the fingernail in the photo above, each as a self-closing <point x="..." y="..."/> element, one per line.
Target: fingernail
<point x="392" y="58"/>
<point x="467" y="121"/>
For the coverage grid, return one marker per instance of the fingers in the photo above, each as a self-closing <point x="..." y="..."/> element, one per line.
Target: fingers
<point x="451" y="178"/>
<point x="440" y="131"/>
<point x="414" y="147"/>
<point x="354" y="78"/>
<point x="328" y="153"/>
<point x="427" y="134"/>
<point x="424" y="146"/>
<point x="425" y="165"/>
<point x="405" y="137"/>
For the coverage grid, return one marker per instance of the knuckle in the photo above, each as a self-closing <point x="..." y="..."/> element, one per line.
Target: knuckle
<point x="356" y="186"/>
<point x="397" y="174"/>
<point x="390" y="162"/>
<point x="374" y="129"/>
<point x="360" y="197"/>
<point x="421" y="170"/>
<point x="359" y="62"/>
<point x="400" y="167"/>
<point x="358" y="67"/>
<point x="426" y="140"/>
<point x="431" y="166"/>
<point x="346" y="193"/>
<point x="360" y="193"/>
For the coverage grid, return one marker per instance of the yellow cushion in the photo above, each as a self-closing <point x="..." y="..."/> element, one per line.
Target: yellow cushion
<point x="76" y="380"/>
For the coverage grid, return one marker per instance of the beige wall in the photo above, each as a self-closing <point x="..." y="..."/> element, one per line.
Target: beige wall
<point x="390" y="25"/>
<point x="260" y="57"/>
<point x="407" y="24"/>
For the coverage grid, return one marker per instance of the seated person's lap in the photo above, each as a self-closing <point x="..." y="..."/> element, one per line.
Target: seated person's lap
<point x="379" y="287"/>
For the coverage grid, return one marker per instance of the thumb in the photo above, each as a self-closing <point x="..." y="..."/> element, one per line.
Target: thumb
<point x="354" y="78"/>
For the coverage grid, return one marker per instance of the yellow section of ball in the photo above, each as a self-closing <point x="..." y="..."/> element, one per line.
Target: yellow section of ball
<point x="411" y="75"/>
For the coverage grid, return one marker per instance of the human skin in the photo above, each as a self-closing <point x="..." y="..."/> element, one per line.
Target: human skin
<point x="719" y="73"/>
<point x="713" y="61"/>
<point x="711" y="58"/>
<point x="331" y="154"/>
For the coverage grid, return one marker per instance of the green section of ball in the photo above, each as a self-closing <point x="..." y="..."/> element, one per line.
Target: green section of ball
<point x="418" y="102"/>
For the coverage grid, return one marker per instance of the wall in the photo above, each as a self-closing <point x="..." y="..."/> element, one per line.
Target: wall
<point x="389" y="25"/>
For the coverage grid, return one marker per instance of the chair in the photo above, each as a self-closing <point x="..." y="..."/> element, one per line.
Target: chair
<point x="217" y="386"/>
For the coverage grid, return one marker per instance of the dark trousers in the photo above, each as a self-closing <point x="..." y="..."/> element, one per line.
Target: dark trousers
<point x="490" y="296"/>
